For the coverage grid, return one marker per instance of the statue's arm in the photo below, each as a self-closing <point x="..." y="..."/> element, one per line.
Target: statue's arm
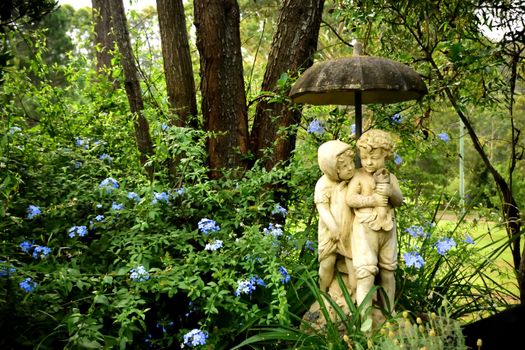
<point x="396" y="198"/>
<point x="326" y="216"/>
<point x="354" y="198"/>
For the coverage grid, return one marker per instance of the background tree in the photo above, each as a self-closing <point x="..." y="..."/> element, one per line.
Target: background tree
<point x="292" y="49"/>
<point x="104" y="39"/>
<point x="131" y="83"/>
<point x="224" y="110"/>
<point x="178" y="68"/>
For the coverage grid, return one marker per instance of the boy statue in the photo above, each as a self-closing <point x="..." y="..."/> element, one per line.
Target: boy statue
<point x="373" y="193"/>
<point x="336" y="161"/>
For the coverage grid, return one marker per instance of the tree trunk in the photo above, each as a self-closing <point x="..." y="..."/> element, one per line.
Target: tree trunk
<point x="292" y="48"/>
<point x="104" y="39"/>
<point x="177" y="62"/>
<point x="132" y="84"/>
<point x="222" y="85"/>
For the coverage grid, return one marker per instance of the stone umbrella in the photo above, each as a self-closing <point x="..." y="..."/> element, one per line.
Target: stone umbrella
<point x="357" y="80"/>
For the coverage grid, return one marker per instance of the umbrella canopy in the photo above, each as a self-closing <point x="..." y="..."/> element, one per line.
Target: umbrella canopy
<point x="356" y="80"/>
<point x="336" y="81"/>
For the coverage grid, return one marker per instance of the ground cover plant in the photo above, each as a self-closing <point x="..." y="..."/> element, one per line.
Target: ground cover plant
<point x="100" y="249"/>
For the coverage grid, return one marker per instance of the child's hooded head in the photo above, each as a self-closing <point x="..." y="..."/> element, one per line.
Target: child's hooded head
<point x="328" y="157"/>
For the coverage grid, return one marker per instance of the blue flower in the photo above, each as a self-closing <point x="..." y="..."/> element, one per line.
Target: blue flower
<point x="77" y="164"/>
<point x="416" y="231"/>
<point x="469" y="239"/>
<point x="444" y="245"/>
<point x="397" y="159"/>
<point x="284" y="272"/>
<point x="207" y="225"/>
<point x="214" y="245"/>
<point x="26" y="246"/>
<point x="180" y="191"/>
<point x="396" y="118"/>
<point x="28" y="285"/>
<point x="117" y="206"/>
<point x="352" y="129"/>
<point x="81" y="231"/>
<point x="255" y="280"/>
<point x="108" y="184"/>
<point x="106" y="156"/>
<point x="33" y="211"/>
<point x="99" y="218"/>
<point x="274" y="230"/>
<point x="41" y="252"/>
<point x="14" y="129"/>
<point x="413" y="259"/>
<point x="278" y="209"/>
<point x="139" y="274"/>
<point x="134" y="196"/>
<point x="245" y="287"/>
<point x="315" y="127"/>
<point x="444" y="137"/>
<point x="195" y="337"/>
<point x="80" y="142"/>
<point x="164" y="126"/>
<point x="5" y="269"/>
<point x="160" y="197"/>
<point x="310" y="246"/>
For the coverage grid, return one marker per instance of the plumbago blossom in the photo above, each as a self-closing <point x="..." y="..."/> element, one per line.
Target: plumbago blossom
<point x="278" y="209"/>
<point x="80" y="231"/>
<point x="286" y="275"/>
<point x="28" y="285"/>
<point x="416" y="231"/>
<point x="134" y="196"/>
<point x="206" y="226"/>
<point x="444" y="245"/>
<point x="214" y="245"/>
<point x="443" y="137"/>
<point x="275" y="230"/>
<point x="397" y="159"/>
<point x="195" y="337"/>
<point x="41" y="252"/>
<point x="108" y="184"/>
<point x="161" y="197"/>
<point x="33" y="211"/>
<point x="315" y="127"/>
<point x="413" y="259"/>
<point x="139" y="274"/>
<point x="249" y="285"/>
<point x="26" y="246"/>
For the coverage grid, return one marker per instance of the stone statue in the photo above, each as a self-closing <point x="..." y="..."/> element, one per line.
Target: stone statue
<point x="373" y="193"/>
<point x="336" y="161"/>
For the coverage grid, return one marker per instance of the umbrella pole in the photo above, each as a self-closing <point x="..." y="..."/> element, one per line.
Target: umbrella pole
<point x="358" y="123"/>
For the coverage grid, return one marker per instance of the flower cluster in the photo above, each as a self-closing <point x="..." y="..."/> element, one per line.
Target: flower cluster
<point x="33" y="211"/>
<point x="214" y="245"/>
<point x="117" y="206"/>
<point x="99" y="218"/>
<point x="443" y="137"/>
<point x="26" y="246"/>
<point x="80" y="231"/>
<point x="5" y="269"/>
<point x="208" y="225"/>
<point x="397" y="159"/>
<point x="279" y="210"/>
<point x="315" y="127"/>
<point x="41" y="252"/>
<point x="416" y="231"/>
<point x="413" y="259"/>
<point x="139" y="274"/>
<point x="444" y="245"/>
<point x="134" y="196"/>
<point x="396" y="118"/>
<point x="469" y="239"/>
<point x="28" y="285"/>
<point x="161" y="197"/>
<point x="286" y="275"/>
<point x="106" y="157"/>
<point x="310" y="245"/>
<point x="195" y="337"/>
<point x="80" y="142"/>
<point x="248" y="286"/>
<point x="274" y="230"/>
<point x="108" y="184"/>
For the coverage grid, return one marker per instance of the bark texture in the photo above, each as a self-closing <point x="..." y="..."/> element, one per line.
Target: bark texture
<point x="222" y="85"/>
<point x="178" y="69"/>
<point x="292" y="48"/>
<point x="104" y="39"/>
<point x="131" y="83"/>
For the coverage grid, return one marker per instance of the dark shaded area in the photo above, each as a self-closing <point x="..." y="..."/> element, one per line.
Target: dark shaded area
<point x="501" y="331"/>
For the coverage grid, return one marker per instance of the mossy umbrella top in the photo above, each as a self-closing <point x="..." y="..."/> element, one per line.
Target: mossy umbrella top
<point x="358" y="80"/>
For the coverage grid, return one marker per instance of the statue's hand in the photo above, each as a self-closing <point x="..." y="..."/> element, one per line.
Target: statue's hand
<point x="335" y="235"/>
<point x="379" y="200"/>
<point x="383" y="189"/>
